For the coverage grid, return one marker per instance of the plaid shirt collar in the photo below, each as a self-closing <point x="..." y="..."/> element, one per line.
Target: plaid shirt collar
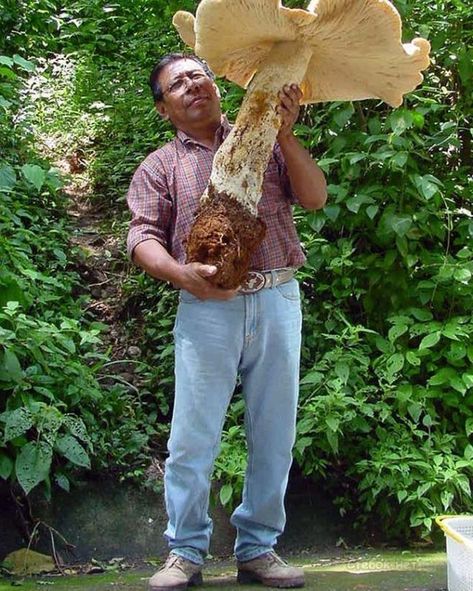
<point x="220" y="135"/>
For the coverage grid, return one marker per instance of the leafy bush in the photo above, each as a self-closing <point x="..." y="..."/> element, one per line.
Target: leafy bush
<point x="386" y="392"/>
<point x="50" y="372"/>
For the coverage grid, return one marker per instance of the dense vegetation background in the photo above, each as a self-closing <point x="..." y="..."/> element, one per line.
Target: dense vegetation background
<point x="386" y="412"/>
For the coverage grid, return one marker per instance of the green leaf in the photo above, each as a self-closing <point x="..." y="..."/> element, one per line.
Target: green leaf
<point x="457" y="384"/>
<point x="332" y="422"/>
<point x="332" y="211"/>
<point x="446" y="496"/>
<point x="383" y="345"/>
<point x="467" y="378"/>
<point x="421" y="314"/>
<point x="7" y="177"/>
<point x="70" y="448"/>
<point x="443" y="376"/>
<point x="34" y="174"/>
<point x="332" y="439"/>
<point x="17" y="423"/>
<point x="426" y="185"/>
<point x="464" y="484"/>
<point x="32" y="464"/>
<point x="344" y="114"/>
<point x="469" y="426"/>
<point x="63" y="482"/>
<point x="464" y="253"/>
<point x="400" y="120"/>
<point x="354" y="203"/>
<point x="468" y="453"/>
<point x="430" y="340"/>
<point x="226" y="493"/>
<point x="77" y="428"/>
<point x="324" y="163"/>
<point x="462" y="275"/>
<point x="302" y="443"/>
<point x="371" y="211"/>
<point x="24" y="64"/>
<point x="401" y="495"/>
<point x="396" y="331"/>
<point x="412" y="359"/>
<point x="6" y="466"/>
<point x="342" y="371"/>
<point x="10" y="368"/>
<point x="395" y="363"/>
<point x="418" y="119"/>
<point x="465" y="65"/>
<point x="6" y="61"/>
<point x="4" y="104"/>
<point x="399" y="160"/>
<point x="414" y="410"/>
<point x="401" y="224"/>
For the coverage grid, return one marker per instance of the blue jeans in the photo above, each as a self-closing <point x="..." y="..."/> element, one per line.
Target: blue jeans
<point x="258" y="337"/>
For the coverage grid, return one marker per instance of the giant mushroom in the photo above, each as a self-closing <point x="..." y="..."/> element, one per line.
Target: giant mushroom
<point x="336" y="50"/>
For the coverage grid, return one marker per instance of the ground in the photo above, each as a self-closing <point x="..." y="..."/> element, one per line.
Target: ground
<point x="370" y="570"/>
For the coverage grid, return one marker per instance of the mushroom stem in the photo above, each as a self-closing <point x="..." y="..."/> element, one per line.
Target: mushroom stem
<point x="227" y="231"/>
<point x="241" y="161"/>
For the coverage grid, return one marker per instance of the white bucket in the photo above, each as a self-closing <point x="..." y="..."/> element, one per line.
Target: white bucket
<point x="459" y="533"/>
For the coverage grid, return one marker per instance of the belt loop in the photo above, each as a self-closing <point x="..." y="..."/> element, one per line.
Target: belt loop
<point x="274" y="278"/>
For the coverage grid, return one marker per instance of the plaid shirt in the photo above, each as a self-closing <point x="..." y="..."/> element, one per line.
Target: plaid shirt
<point x="165" y="191"/>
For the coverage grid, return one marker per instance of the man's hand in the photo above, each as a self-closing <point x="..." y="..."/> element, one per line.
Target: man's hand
<point x="193" y="278"/>
<point x="288" y="110"/>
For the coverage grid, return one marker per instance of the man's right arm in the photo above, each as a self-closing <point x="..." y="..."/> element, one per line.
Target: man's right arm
<point x="153" y="258"/>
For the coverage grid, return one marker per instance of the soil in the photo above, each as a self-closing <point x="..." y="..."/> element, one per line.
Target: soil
<point x="225" y="234"/>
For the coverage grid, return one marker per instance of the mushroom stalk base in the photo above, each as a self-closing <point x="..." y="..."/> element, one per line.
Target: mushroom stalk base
<point x="225" y="234"/>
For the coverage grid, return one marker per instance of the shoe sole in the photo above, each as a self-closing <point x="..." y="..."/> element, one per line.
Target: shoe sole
<point x="245" y="577"/>
<point x="193" y="581"/>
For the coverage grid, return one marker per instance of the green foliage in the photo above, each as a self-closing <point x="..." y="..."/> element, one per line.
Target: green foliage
<point x="50" y="372"/>
<point x="386" y="392"/>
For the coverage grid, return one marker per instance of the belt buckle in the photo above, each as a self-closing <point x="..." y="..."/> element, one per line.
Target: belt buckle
<point x="254" y="281"/>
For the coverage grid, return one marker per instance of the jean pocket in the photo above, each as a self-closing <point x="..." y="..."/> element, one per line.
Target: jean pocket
<point x="290" y="290"/>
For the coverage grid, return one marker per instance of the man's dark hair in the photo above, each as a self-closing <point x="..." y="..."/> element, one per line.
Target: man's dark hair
<point x="167" y="59"/>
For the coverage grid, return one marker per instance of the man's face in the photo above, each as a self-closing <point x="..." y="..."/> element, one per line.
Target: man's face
<point x="190" y="97"/>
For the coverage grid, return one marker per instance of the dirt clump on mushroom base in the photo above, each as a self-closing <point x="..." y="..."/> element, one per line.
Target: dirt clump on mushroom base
<point x="225" y="234"/>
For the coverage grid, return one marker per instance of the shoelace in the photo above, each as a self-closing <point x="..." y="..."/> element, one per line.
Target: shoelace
<point x="273" y="558"/>
<point x="174" y="560"/>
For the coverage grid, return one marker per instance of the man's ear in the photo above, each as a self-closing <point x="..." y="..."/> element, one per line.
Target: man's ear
<point x="161" y="108"/>
<point x="217" y="90"/>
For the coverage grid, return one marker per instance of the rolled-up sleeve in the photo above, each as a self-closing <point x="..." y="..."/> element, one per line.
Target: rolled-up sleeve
<point x="151" y="208"/>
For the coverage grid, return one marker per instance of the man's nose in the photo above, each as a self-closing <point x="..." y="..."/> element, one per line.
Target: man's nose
<point x="191" y="84"/>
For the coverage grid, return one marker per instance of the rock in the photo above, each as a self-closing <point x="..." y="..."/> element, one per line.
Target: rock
<point x="134" y="351"/>
<point x="28" y="562"/>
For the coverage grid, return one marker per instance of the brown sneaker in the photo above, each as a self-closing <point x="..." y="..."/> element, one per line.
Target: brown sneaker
<point x="270" y="570"/>
<point x="176" y="574"/>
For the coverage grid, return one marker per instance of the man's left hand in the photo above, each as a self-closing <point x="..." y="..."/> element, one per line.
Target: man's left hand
<point x="288" y="109"/>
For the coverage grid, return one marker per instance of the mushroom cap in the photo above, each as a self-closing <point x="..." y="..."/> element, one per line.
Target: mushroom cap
<point x="357" y="48"/>
<point x="184" y="23"/>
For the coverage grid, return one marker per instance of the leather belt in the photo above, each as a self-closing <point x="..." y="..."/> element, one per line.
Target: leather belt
<point x="258" y="280"/>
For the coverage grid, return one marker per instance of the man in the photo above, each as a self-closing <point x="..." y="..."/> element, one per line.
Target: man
<point x="220" y="334"/>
